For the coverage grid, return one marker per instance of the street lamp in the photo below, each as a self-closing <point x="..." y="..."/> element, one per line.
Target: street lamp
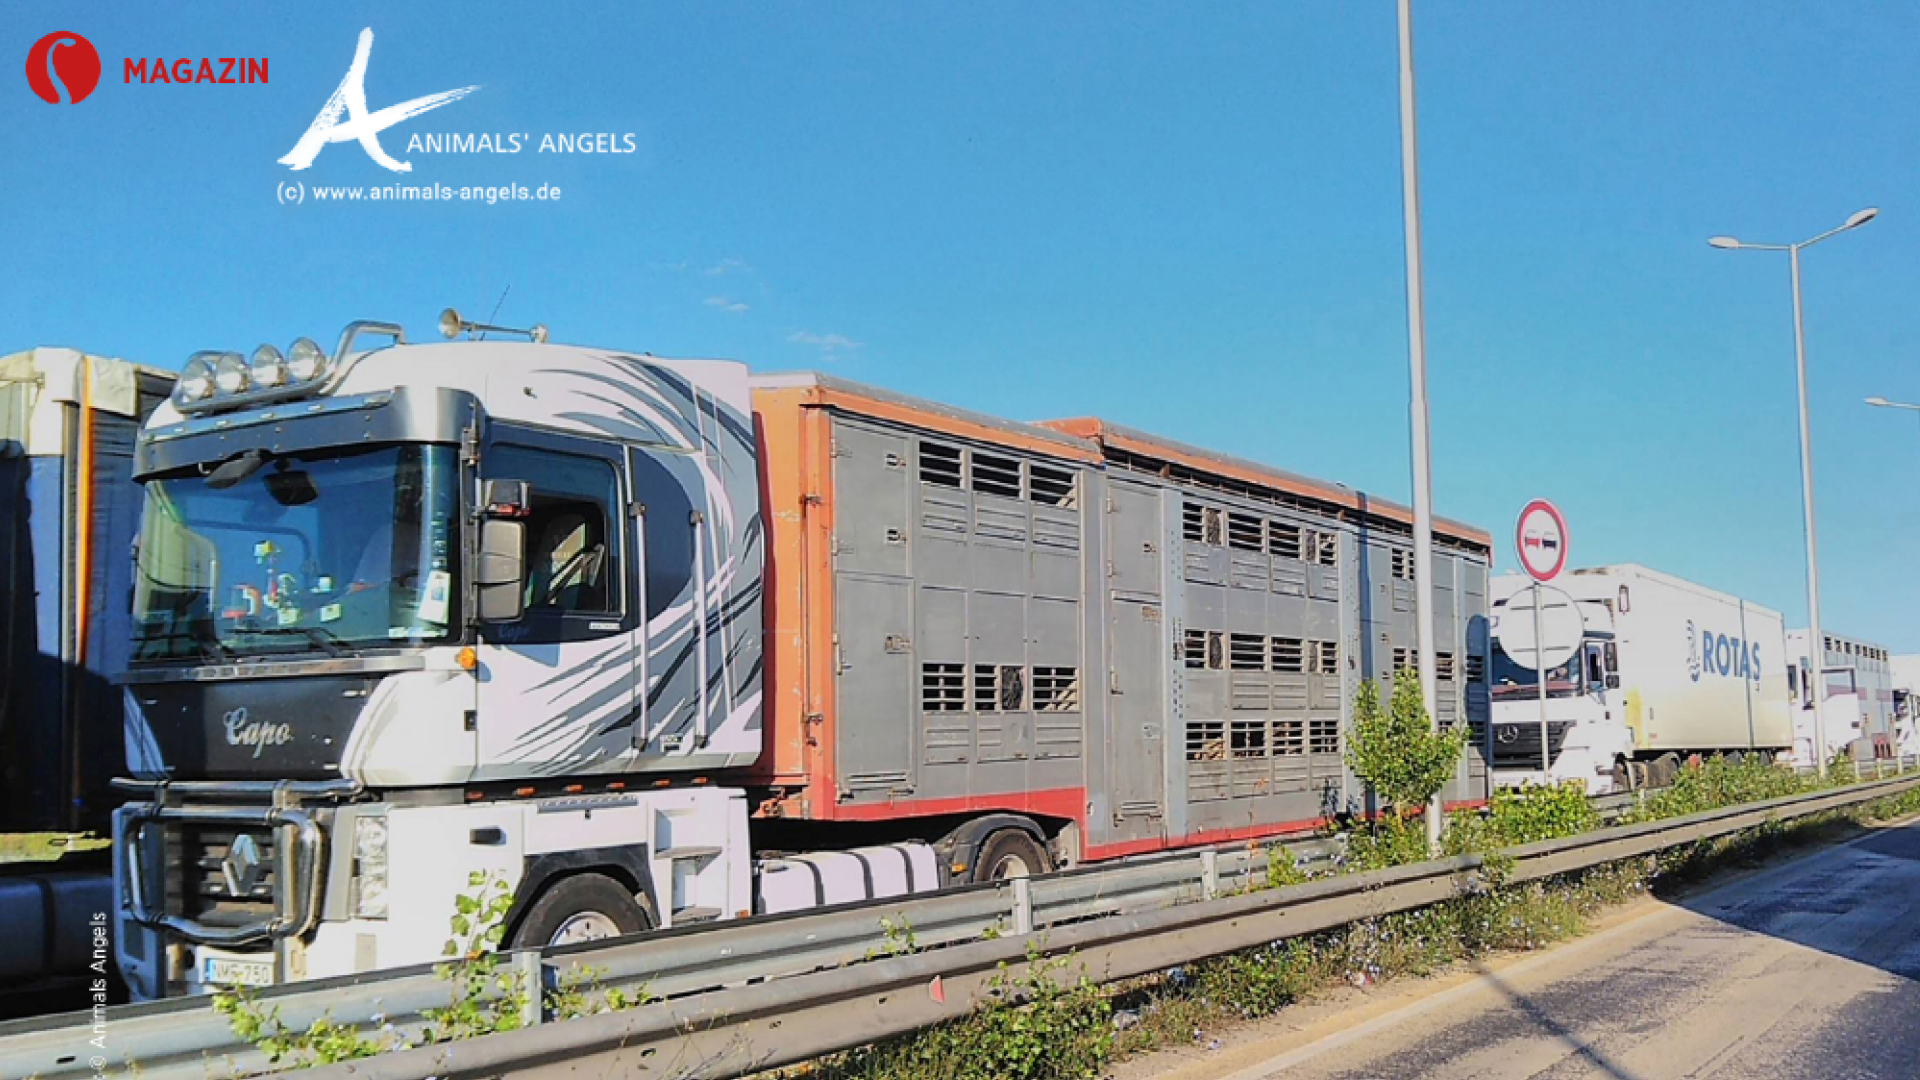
<point x="1814" y="639"/>
<point x="1883" y="403"/>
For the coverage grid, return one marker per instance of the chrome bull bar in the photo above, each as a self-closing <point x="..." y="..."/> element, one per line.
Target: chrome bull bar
<point x="298" y="857"/>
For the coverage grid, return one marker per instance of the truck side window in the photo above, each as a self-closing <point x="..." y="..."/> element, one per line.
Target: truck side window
<point x="572" y="564"/>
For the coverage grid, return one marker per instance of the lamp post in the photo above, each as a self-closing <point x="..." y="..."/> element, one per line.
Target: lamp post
<point x="1417" y="408"/>
<point x="1816" y="643"/>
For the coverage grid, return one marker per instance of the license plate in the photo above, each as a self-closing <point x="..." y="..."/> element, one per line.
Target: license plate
<point x="218" y="970"/>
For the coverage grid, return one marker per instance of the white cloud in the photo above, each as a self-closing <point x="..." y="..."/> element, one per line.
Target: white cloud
<point x="727" y="266"/>
<point x="832" y="346"/>
<point x="726" y="304"/>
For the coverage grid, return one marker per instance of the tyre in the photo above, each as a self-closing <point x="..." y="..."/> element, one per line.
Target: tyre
<point x="1010" y="853"/>
<point x="1662" y="770"/>
<point x="1622" y="775"/>
<point x="584" y="907"/>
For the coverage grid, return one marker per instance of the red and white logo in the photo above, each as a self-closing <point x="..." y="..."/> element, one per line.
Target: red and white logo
<point x="63" y="67"/>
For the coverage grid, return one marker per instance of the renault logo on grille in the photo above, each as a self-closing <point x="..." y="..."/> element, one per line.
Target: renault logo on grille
<point x="243" y="866"/>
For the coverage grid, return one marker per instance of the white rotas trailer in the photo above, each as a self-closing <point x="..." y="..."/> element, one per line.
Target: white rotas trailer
<point x="1666" y="669"/>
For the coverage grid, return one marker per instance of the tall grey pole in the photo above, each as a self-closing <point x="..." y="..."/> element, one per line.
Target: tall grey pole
<point x="1816" y="643"/>
<point x="1417" y="409"/>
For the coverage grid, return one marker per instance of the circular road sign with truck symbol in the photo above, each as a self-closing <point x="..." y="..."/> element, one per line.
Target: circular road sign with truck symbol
<point x="1540" y="539"/>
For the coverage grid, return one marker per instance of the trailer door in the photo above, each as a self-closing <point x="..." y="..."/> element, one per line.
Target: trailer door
<point x="1137" y="659"/>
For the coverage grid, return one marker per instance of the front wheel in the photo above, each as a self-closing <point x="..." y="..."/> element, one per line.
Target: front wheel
<point x="1010" y="853"/>
<point x="584" y="907"/>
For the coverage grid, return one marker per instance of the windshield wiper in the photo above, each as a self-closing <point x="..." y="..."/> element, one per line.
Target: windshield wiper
<point x="321" y="637"/>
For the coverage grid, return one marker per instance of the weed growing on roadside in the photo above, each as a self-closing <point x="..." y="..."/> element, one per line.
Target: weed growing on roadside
<point x="324" y="1042"/>
<point x="1394" y="751"/>
<point x="1052" y="1026"/>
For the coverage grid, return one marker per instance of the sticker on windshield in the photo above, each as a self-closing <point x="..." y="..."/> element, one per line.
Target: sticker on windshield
<point x="289" y="615"/>
<point x="433" y="606"/>
<point x="329" y="613"/>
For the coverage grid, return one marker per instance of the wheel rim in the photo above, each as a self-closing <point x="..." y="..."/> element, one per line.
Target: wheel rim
<point x="1010" y="867"/>
<point x="586" y="926"/>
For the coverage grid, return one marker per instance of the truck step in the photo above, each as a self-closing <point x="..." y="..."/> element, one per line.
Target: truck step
<point x="685" y="915"/>
<point x="679" y="853"/>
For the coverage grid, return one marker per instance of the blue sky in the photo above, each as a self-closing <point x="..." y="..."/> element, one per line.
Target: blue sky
<point x="1182" y="218"/>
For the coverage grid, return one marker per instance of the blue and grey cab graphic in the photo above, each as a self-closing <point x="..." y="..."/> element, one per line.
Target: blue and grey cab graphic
<point x="1731" y="657"/>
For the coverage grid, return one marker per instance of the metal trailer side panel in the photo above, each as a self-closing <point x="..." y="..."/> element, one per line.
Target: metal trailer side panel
<point x="930" y="574"/>
<point x="889" y="594"/>
<point x="1700" y="670"/>
<point x="959" y="571"/>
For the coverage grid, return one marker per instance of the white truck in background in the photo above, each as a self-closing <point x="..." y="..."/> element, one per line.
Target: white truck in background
<point x="1857" y="681"/>
<point x="1666" y="669"/>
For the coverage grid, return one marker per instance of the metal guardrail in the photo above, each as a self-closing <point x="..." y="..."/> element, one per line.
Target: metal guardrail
<point x="1611" y="808"/>
<point x="767" y="992"/>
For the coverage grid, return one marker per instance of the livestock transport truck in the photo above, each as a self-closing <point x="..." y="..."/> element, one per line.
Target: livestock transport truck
<point x="1665" y="670"/>
<point x="653" y="642"/>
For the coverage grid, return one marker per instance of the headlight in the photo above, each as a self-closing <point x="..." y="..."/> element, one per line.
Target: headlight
<point x="369" y="891"/>
<point x="196" y="380"/>
<point x="305" y="361"/>
<point x="267" y="368"/>
<point x="230" y="373"/>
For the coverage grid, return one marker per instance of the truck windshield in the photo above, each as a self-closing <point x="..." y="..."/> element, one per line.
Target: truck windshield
<point x="318" y="551"/>
<point x="1511" y="679"/>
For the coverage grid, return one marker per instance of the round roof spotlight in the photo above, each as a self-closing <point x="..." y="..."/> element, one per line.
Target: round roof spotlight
<point x="451" y="324"/>
<point x="230" y="373"/>
<point x="267" y="367"/>
<point x="196" y="380"/>
<point x="305" y="360"/>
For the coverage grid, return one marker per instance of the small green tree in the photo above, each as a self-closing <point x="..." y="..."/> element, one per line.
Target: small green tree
<point x="1394" y="751"/>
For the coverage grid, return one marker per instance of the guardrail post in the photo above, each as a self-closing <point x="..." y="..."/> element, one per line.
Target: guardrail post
<point x="1022" y="906"/>
<point x="1209" y="874"/>
<point x="533" y="983"/>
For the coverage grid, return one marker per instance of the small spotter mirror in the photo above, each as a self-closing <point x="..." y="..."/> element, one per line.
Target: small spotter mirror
<point x="508" y="499"/>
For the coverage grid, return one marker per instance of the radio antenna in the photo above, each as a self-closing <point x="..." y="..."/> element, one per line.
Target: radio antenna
<point x="497" y="305"/>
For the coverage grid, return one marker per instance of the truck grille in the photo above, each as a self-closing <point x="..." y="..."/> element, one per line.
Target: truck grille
<point x="1517" y="745"/>
<point x="197" y="880"/>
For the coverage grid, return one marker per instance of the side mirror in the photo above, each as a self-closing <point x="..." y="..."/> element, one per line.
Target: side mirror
<point x="500" y="578"/>
<point x="501" y="575"/>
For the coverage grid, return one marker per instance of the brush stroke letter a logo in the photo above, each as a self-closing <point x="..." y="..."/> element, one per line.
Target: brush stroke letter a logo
<point x="351" y="99"/>
<point x="63" y="67"/>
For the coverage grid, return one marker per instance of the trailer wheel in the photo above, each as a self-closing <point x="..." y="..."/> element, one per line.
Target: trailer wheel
<point x="1010" y="853"/>
<point x="583" y="907"/>
<point x="1662" y="771"/>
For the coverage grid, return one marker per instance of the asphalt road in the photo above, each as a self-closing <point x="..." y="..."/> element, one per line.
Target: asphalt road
<point x="1804" y="971"/>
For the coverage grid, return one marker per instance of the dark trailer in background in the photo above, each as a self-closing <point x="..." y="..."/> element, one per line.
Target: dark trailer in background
<point x="69" y="510"/>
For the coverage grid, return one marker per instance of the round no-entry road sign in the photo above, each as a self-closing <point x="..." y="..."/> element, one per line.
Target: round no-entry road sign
<point x="1540" y="538"/>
